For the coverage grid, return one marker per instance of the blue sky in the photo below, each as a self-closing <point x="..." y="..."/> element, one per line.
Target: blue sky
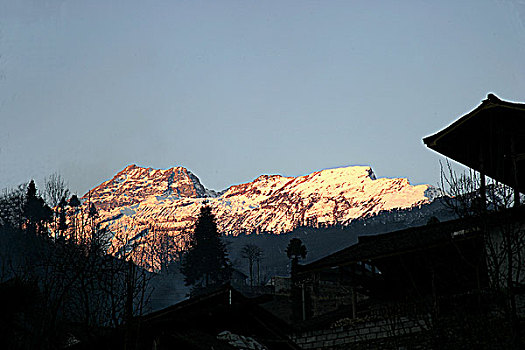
<point x="235" y="89"/>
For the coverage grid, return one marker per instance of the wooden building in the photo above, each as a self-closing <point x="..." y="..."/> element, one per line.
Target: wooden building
<point x="220" y="319"/>
<point x="448" y="284"/>
<point x="390" y="286"/>
<point x="490" y="139"/>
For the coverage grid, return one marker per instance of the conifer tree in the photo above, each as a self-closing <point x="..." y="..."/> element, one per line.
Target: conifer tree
<point x="62" y="220"/>
<point x="74" y="203"/>
<point x="206" y="263"/>
<point x="295" y="250"/>
<point x="30" y="210"/>
<point x="12" y="207"/>
<point x="36" y="212"/>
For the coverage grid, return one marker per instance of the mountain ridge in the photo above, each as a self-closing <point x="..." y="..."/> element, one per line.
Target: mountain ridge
<point x="159" y="204"/>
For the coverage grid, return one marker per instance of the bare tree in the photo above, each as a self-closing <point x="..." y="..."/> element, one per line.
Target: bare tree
<point x="253" y="254"/>
<point x="77" y="280"/>
<point x="492" y="205"/>
<point x="134" y="252"/>
<point x="55" y="188"/>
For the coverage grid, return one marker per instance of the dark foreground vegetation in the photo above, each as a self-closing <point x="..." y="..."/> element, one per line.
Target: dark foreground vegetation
<point x="57" y="286"/>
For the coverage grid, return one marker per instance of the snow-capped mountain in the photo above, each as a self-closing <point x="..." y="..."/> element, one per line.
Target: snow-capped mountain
<point x="153" y="205"/>
<point x="134" y="184"/>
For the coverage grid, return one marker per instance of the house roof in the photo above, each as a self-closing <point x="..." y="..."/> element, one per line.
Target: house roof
<point x="222" y="309"/>
<point x="443" y="258"/>
<point x="201" y="322"/>
<point x="487" y="139"/>
<point x="393" y="243"/>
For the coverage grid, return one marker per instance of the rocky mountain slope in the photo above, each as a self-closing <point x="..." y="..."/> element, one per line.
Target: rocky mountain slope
<point x="134" y="184"/>
<point x="157" y="207"/>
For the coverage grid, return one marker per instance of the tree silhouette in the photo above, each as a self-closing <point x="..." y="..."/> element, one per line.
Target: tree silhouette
<point x="55" y="188"/>
<point x="473" y="196"/>
<point x="253" y="253"/>
<point x="12" y="207"/>
<point x="62" y="220"/>
<point x="205" y="263"/>
<point x="74" y="203"/>
<point x="92" y="216"/>
<point x="67" y="282"/>
<point x="36" y="212"/>
<point x="295" y="250"/>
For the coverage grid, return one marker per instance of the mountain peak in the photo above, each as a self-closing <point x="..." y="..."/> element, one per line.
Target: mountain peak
<point x="348" y="173"/>
<point x="134" y="184"/>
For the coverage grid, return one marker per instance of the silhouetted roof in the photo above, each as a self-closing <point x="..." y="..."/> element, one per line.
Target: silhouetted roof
<point x="484" y="139"/>
<point x="442" y="258"/>
<point x="222" y="309"/>
<point x="196" y="323"/>
<point x="394" y="243"/>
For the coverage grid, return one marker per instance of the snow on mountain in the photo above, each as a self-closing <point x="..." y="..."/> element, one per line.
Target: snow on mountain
<point x="135" y="184"/>
<point x="328" y="197"/>
<point x="157" y="206"/>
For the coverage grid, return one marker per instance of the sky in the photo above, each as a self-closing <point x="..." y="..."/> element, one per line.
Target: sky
<point x="235" y="89"/>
